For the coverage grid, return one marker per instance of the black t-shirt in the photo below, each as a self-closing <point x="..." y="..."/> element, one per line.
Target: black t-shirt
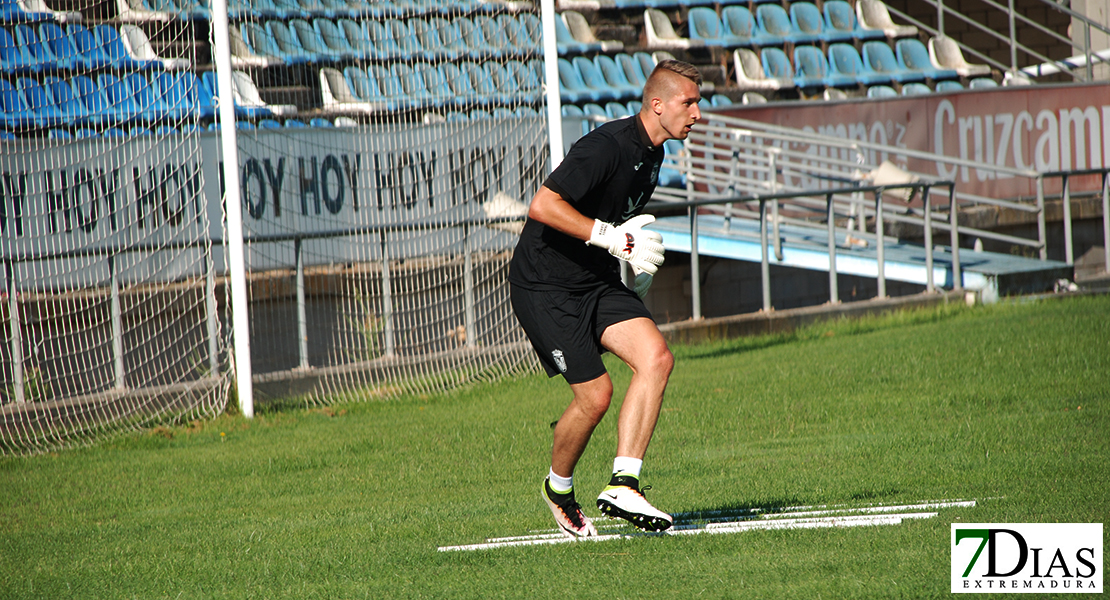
<point x="609" y="175"/>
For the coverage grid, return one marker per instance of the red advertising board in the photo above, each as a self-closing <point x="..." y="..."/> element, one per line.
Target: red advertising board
<point x="1041" y="128"/>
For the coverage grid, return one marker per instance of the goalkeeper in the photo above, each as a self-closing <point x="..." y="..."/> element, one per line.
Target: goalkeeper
<point x="567" y="293"/>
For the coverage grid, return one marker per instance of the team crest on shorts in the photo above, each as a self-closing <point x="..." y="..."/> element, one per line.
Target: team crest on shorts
<point x="560" y="361"/>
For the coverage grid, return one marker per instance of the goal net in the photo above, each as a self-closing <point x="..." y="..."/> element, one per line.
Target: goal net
<point x="386" y="152"/>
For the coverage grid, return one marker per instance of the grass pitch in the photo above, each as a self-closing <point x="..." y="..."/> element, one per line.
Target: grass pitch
<point x="1005" y="404"/>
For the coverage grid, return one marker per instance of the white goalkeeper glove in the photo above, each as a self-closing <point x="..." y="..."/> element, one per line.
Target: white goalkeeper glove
<point x="642" y="282"/>
<point x="629" y="242"/>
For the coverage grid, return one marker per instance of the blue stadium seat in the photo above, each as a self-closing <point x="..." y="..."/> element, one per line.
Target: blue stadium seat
<point x="647" y="63"/>
<point x="881" y="91"/>
<point x="72" y="109"/>
<point x="12" y="12"/>
<point x="269" y="124"/>
<point x="296" y="124"/>
<point x="845" y="60"/>
<point x="92" y="53"/>
<point x="504" y="82"/>
<point x="949" y="86"/>
<point x="42" y="59"/>
<point x="165" y="130"/>
<point x="261" y="42"/>
<point x="393" y="92"/>
<point x="59" y="134"/>
<point x="980" y="83"/>
<point x="414" y="85"/>
<point x="878" y="57"/>
<point x="99" y="110"/>
<point x="181" y="93"/>
<point x="450" y="37"/>
<point x="286" y="40"/>
<point x="915" y="89"/>
<point x="358" y="38"/>
<point x="60" y="45"/>
<point x="615" y="77"/>
<point x="148" y="97"/>
<point x="519" y="40"/>
<point x="842" y="25"/>
<point x="532" y="28"/>
<point x="595" y="81"/>
<point x="670" y="176"/>
<point x="406" y="40"/>
<point x="313" y="42"/>
<point x="914" y="56"/>
<point x="364" y="88"/>
<point x="706" y="26"/>
<point x="482" y="83"/>
<point x="807" y="21"/>
<point x="13" y="56"/>
<point x="475" y="39"/>
<point x="776" y="66"/>
<point x="571" y="87"/>
<point x="37" y="99"/>
<point x="289" y="9"/>
<point x="592" y="109"/>
<point x="114" y="132"/>
<point x="565" y="42"/>
<point x="124" y="108"/>
<point x="334" y="39"/>
<point x="460" y="84"/>
<point x="85" y="133"/>
<point x="428" y="36"/>
<point x="317" y="122"/>
<point x="529" y="85"/>
<point x="13" y="109"/>
<point x="437" y="84"/>
<point x="721" y="100"/>
<point x="634" y="106"/>
<point x="455" y="116"/>
<point x="631" y="68"/>
<point x="738" y="22"/>
<point x="385" y="46"/>
<point x="616" y="110"/>
<point x="811" y="69"/>
<point x="112" y="44"/>
<point x="773" y="19"/>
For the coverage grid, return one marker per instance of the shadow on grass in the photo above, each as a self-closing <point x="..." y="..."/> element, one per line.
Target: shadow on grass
<point x="742" y="511"/>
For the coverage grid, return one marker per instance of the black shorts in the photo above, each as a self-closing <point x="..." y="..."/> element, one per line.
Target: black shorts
<point x="565" y="327"/>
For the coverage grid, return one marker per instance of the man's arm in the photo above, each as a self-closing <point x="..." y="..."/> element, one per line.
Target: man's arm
<point x="552" y="210"/>
<point x="627" y="241"/>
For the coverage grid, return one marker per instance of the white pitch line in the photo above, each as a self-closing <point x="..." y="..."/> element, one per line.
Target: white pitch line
<point x="756" y="514"/>
<point x="713" y="528"/>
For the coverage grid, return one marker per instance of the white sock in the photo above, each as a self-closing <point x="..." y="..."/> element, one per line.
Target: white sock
<point x="560" y="484"/>
<point x="628" y="465"/>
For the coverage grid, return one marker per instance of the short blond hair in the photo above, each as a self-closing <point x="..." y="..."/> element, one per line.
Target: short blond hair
<point x="663" y="76"/>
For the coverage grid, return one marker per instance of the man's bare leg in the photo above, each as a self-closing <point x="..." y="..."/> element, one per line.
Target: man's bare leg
<point x="573" y="431"/>
<point x="641" y="346"/>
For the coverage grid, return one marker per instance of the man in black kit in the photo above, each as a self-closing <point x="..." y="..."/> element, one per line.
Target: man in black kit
<point x="567" y="293"/>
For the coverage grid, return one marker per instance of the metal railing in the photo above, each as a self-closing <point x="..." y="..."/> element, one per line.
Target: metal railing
<point x="829" y="216"/>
